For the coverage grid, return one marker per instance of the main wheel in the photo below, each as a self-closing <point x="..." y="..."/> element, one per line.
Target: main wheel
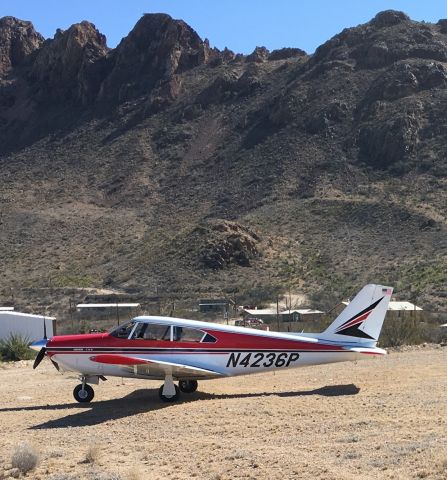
<point x="165" y="398"/>
<point x="188" y="386"/>
<point x="83" y="393"/>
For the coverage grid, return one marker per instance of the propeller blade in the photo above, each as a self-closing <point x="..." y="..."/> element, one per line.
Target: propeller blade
<point x="39" y="357"/>
<point x="44" y="329"/>
<point x="56" y="365"/>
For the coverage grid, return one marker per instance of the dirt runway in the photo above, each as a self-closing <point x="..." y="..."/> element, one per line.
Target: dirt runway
<point x="381" y="418"/>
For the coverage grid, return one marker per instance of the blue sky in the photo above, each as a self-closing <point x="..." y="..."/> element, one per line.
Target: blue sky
<point x="241" y="25"/>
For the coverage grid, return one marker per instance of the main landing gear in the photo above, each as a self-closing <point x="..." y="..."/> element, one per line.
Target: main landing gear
<point x="169" y="392"/>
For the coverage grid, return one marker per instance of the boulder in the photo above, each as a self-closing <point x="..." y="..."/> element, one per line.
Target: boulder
<point x="228" y="243"/>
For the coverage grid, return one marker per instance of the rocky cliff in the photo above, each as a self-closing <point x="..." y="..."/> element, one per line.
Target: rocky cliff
<point x="166" y="164"/>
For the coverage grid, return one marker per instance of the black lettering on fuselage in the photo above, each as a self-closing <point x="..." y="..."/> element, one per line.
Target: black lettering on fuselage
<point x="252" y="359"/>
<point x="233" y="360"/>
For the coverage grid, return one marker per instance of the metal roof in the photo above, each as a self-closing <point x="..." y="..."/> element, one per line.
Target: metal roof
<point x="261" y="311"/>
<point x="303" y="311"/>
<point x="398" y="306"/>
<point x="107" y="305"/>
<point x="27" y="315"/>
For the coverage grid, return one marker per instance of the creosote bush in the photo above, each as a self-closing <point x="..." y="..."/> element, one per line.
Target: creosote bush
<point x="25" y="458"/>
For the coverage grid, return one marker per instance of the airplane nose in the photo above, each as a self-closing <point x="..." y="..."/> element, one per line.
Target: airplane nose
<point x="39" y="344"/>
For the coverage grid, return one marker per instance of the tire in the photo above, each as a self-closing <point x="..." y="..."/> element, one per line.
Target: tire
<point x="169" y="399"/>
<point x="83" y="394"/>
<point x="188" y="386"/>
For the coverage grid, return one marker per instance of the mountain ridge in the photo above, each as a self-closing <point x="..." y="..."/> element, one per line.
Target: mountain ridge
<point x="166" y="164"/>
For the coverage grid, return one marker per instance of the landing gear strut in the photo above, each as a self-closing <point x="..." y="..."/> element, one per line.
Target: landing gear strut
<point x="169" y="392"/>
<point x="188" y="386"/>
<point x="83" y="392"/>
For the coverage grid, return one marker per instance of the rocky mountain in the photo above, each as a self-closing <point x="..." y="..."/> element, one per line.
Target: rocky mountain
<point x="167" y="165"/>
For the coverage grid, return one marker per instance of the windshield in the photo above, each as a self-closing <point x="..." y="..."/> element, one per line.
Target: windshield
<point x="123" y="331"/>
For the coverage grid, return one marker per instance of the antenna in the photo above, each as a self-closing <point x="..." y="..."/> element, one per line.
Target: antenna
<point x="44" y="329"/>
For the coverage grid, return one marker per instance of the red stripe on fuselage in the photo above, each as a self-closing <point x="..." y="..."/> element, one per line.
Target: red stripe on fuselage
<point x="117" y="360"/>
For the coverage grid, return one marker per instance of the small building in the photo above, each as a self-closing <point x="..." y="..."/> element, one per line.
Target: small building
<point x="301" y="315"/>
<point x="26" y="325"/>
<point x="216" y="305"/>
<point x="6" y="309"/>
<point x="266" y="314"/>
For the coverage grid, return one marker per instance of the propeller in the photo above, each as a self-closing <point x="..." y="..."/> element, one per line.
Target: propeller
<point x="42" y="345"/>
<point x="39" y="357"/>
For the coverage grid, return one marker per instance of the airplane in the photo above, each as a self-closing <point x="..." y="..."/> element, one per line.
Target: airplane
<point x="174" y="349"/>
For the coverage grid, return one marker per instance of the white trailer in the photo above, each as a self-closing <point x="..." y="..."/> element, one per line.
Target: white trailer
<point x="26" y="325"/>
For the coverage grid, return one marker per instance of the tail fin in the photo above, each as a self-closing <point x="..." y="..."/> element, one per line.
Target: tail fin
<point x="361" y="321"/>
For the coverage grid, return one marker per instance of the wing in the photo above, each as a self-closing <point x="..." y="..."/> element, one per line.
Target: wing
<point x="154" y="368"/>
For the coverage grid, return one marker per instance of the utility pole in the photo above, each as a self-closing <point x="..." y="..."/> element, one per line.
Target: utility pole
<point x="277" y="311"/>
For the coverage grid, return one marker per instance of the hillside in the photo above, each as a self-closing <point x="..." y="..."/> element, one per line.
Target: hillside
<point x="166" y="165"/>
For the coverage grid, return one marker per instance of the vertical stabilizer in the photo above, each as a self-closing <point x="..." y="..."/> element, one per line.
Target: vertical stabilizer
<point x="361" y="321"/>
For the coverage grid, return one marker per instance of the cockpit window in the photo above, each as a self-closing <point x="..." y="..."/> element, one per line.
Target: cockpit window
<point x="151" y="331"/>
<point x="185" y="334"/>
<point x="123" y="331"/>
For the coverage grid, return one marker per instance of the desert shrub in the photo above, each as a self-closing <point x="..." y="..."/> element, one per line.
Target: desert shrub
<point x="16" y="347"/>
<point x="402" y="331"/>
<point x="24" y="458"/>
<point x="92" y="455"/>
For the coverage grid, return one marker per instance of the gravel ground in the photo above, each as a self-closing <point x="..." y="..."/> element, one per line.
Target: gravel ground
<point x="380" y="418"/>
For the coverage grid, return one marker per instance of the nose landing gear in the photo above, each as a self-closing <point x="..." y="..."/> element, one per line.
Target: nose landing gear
<point x="83" y="393"/>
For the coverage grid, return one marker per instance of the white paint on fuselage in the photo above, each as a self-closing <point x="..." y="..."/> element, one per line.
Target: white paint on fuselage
<point x="222" y="363"/>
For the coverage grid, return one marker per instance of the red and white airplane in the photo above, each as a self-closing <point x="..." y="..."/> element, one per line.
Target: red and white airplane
<point x="173" y="349"/>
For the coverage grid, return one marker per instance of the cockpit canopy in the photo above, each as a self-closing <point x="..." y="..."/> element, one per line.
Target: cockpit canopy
<point x="135" y="330"/>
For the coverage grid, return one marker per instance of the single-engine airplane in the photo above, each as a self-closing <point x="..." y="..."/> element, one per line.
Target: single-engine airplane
<point x="173" y="349"/>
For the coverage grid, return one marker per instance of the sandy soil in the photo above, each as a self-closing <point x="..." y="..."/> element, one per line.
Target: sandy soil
<point x="380" y="418"/>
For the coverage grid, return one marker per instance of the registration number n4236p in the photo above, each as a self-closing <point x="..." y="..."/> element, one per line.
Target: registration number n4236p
<point x="259" y="359"/>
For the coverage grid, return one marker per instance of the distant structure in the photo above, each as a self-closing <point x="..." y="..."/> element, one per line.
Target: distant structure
<point x="216" y="305"/>
<point x="294" y="315"/>
<point x="26" y="325"/>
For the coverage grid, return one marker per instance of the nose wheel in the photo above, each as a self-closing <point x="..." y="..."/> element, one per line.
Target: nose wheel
<point x="83" y="393"/>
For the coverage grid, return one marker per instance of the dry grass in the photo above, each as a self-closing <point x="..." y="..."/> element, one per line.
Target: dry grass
<point x="25" y="458"/>
<point x="93" y="454"/>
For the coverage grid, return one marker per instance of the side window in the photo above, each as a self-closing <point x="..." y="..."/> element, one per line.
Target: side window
<point x="151" y="331"/>
<point x="185" y="334"/>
